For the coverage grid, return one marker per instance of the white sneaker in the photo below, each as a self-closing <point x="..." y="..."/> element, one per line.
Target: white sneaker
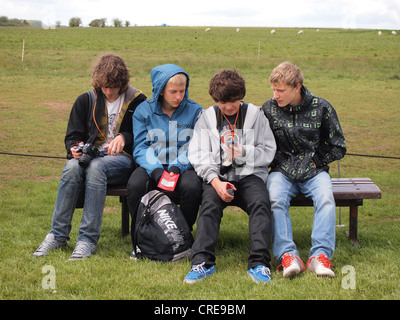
<point x="292" y="265"/>
<point x="321" y="266"/>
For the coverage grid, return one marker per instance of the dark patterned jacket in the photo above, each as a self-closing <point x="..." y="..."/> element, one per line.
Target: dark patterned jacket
<point x="308" y="136"/>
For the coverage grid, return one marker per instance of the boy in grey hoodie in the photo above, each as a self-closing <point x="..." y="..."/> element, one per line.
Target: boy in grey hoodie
<point x="231" y="149"/>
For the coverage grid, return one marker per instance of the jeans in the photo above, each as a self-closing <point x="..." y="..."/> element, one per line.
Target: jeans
<point x="319" y="189"/>
<point x="252" y="197"/>
<point x="94" y="179"/>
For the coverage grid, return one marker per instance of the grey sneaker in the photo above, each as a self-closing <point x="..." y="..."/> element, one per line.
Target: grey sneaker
<point x="82" y="250"/>
<point x="49" y="243"/>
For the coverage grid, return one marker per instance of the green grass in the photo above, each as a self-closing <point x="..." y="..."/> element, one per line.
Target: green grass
<point x="357" y="71"/>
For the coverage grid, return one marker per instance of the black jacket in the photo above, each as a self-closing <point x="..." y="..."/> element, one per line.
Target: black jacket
<point x="308" y="136"/>
<point x="81" y="126"/>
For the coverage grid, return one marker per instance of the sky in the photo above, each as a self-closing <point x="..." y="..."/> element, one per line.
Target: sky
<point x="365" y="14"/>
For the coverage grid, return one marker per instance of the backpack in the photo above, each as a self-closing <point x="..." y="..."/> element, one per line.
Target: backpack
<point x="161" y="232"/>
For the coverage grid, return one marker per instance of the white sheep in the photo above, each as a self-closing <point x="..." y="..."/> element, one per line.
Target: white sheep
<point x="379" y="33"/>
<point x="238" y="29"/>
<point x="317" y="30"/>
<point x="272" y="31"/>
<point x="394" y="32"/>
<point x="207" y="29"/>
<point x="300" y="32"/>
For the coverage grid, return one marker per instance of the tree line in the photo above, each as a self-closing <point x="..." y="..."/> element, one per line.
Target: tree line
<point x="100" y="23"/>
<point x="73" y="22"/>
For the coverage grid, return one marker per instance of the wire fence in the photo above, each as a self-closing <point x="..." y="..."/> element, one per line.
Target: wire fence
<point x="338" y="164"/>
<point x="64" y="158"/>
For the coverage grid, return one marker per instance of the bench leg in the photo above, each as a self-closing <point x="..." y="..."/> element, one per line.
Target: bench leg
<point x="124" y="216"/>
<point x="352" y="234"/>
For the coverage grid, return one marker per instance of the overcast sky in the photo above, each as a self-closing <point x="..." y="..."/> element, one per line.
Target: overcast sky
<point x="370" y="14"/>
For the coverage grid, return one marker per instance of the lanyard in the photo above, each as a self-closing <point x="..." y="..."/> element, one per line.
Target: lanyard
<point x="115" y="120"/>
<point x="232" y="129"/>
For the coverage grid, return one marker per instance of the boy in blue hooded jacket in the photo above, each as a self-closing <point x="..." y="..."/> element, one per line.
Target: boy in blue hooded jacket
<point x="162" y="128"/>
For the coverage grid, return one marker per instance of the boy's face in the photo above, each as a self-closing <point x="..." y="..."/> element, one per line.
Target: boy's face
<point x="286" y="95"/>
<point x="173" y="94"/>
<point x="229" y="108"/>
<point x="111" y="94"/>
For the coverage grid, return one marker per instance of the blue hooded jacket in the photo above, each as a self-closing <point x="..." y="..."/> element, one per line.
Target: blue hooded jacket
<point x="158" y="139"/>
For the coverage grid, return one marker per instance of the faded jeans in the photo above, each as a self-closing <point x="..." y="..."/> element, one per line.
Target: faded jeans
<point x="100" y="172"/>
<point x="319" y="189"/>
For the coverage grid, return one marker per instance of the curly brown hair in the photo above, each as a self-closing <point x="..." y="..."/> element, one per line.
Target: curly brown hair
<point x="110" y="71"/>
<point x="227" y="86"/>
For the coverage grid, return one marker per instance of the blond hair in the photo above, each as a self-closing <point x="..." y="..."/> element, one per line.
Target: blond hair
<point x="288" y="73"/>
<point x="178" y="79"/>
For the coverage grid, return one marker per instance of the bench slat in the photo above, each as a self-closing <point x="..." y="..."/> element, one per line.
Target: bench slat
<point x="355" y="188"/>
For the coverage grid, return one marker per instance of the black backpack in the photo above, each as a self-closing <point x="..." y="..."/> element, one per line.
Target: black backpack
<point x="161" y="232"/>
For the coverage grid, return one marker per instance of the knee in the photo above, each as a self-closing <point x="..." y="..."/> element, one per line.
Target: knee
<point x="72" y="170"/>
<point x="325" y="200"/>
<point x="191" y="183"/>
<point x="138" y="183"/>
<point x="95" y="172"/>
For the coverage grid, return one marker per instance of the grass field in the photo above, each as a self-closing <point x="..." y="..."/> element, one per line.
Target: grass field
<point x="357" y="71"/>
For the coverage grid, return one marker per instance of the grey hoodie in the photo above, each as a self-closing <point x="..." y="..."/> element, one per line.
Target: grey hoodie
<point x="257" y="141"/>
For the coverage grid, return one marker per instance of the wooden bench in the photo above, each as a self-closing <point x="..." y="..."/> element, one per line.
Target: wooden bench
<point x="348" y="192"/>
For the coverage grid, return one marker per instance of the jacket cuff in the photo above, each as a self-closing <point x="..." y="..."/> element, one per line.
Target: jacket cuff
<point x="175" y="169"/>
<point x="157" y="173"/>
<point x="317" y="161"/>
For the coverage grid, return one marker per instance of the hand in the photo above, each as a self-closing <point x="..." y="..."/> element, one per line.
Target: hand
<point x="115" y="146"/>
<point x="220" y="188"/>
<point x="233" y="151"/>
<point x="75" y="154"/>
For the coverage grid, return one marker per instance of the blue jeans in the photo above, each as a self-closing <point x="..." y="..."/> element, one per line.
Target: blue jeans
<point x="319" y="189"/>
<point x="94" y="179"/>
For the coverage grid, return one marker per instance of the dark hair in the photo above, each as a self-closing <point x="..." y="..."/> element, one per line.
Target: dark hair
<point x="227" y="86"/>
<point x="110" y="71"/>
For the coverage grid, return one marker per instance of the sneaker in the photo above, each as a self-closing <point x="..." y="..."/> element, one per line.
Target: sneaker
<point x="82" y="250"/>
<point x="260" y="274"/>
<point x="49" y="243"/>
<point x="321" y="266"/>
<point x="199" y="272"/>
<point x="133" y="255"/>
<point x="292" y="265"/>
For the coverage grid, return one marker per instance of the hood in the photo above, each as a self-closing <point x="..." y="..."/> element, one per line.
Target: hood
<point x="160" y="76"/>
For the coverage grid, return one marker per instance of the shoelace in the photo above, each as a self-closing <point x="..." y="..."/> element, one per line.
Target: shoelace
<point x="199" y="268"/>
<point x="287" y="261"/>
<point x="81" y="248"/>
<point x="264" y="271"/>
<point x="46" y="244"/>
<point x="323" y="259"/>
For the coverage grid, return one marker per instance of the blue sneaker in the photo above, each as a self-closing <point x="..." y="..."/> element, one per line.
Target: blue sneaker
<point x="198" y="272"/>
<point x="260" y="274"/>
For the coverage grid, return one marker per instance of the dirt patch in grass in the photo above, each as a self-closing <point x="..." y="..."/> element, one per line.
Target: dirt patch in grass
<point x="62" y="109"/>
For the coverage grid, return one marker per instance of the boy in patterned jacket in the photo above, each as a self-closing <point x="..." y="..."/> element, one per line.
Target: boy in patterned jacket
<point x="308" y="137"/>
